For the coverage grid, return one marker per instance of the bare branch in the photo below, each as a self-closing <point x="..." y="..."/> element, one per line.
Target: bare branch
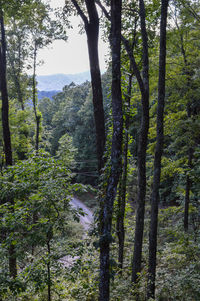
<point x="129" y="50"/>
<point x="80" y="12"/>
<point x="133" y="63"/>
<point x="104" y="10"/>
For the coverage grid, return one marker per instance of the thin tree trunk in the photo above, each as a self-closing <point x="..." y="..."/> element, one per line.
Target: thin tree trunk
<point x="158" y="154"/>
<point x="116" y="152"/>
<point x="122" y="189"/>
<point x="49" y="237"/>
<point x="6" y="129"/>
<point x="190" y="151"/>
<point x="16" y="79"/>
<point x="187" y="191"/>
<point x="187" y="201"/>
<point x="4" y="96"/>
<point x="37" y="117"/>
<point x="12" y="261"/>
<point x="37" y="124"/>
<point x="142" y="147"/>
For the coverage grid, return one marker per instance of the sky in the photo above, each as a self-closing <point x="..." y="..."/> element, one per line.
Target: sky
<point x="72" y="56"/>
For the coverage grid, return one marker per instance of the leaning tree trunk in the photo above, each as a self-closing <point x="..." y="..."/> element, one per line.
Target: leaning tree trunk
<point x="91" y="24"/>
<point x="6" y="129"/>
<point x="158" y="154"/>
<point x="116" y="152"/>
<point x="92" y="34"/>
<point x="141" y="154"/>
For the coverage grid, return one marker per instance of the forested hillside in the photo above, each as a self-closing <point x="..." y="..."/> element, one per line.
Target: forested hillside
<point x="58" y="81"/>
<point x="126" y="143"/>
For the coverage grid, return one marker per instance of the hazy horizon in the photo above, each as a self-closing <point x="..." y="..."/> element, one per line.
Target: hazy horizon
<point x="69" y="57"/>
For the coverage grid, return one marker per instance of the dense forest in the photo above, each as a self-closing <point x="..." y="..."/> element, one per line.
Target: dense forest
<point x="126" y="144"/>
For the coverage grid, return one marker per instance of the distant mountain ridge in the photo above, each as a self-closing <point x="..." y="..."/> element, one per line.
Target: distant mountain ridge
<point x="49" y="94"/>
<point x="56" y="82"/>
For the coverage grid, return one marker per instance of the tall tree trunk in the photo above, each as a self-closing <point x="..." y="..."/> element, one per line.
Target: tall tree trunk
<point x="158" y="154"/>
<point x="122" y="189"/>
<point x="6" y="129"/>
<point x="49" y="237"/>
<point x="116" y="151"/>
<point x="15" y="64"/>
<point x="37" y="116"/>
<point x="188" y="188"/>
<point x="189" y="74"/>
<point x="16" y="79"/>
<point x="92" y="30"/>
<point x="142" y="147"/>
<point x="187" y="202"/>
<point x="4" y="96"/>
<point x="143" y="82"/>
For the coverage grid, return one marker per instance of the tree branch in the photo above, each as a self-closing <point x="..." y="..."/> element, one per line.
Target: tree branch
<point x="145" y="46"/>
<point x="80" y="12"/>
<point x="104" y="10"/>
<point x="128" y="48"/>
<point x="133" y="63"/>
<point x="187" y="5"/>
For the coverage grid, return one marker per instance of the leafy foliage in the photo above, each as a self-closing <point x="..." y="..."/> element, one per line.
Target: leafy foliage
<point x="35" y="211"/>
<point x="40" y="189"/>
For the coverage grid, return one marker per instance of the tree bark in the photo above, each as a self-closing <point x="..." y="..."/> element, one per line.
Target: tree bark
<point x="92" y="30"/>
<point x="6" y="129"/>
<point x="158" y="154"/>
<point x="187" y="202"/>
<point x="142" y="147"/>
<point x="187" y="189"/>
<point x="4" y="96"/>
<point x="37" y="117"/>
<point x="15" y="63"/>
<point x="16" y="79"/>
<point x="190" y="150"/>
<point x="116" y="151"/>
<point x="143" y="82"/>
<point x="49" y="236"/>
<point x="122" y="189"/>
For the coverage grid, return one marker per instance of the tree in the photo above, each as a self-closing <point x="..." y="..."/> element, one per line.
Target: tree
<point x="116" y="153"/>
<point x="42" y="31"/>
<point x="5" y="116"/>
<point x="158" y="154"/>
<point x="91" y="24"/>
<point x="41" y="185"/>
<point x="4" y="95"/>
<point x="17" y="52"/>
<point x="143" y="82"/>
<point x="6" y="128"/>
<point x="190" y="105"/>
<point x="182" y="108"/>
<point x="142" y="145"/>
<point x="121" y="205"/>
